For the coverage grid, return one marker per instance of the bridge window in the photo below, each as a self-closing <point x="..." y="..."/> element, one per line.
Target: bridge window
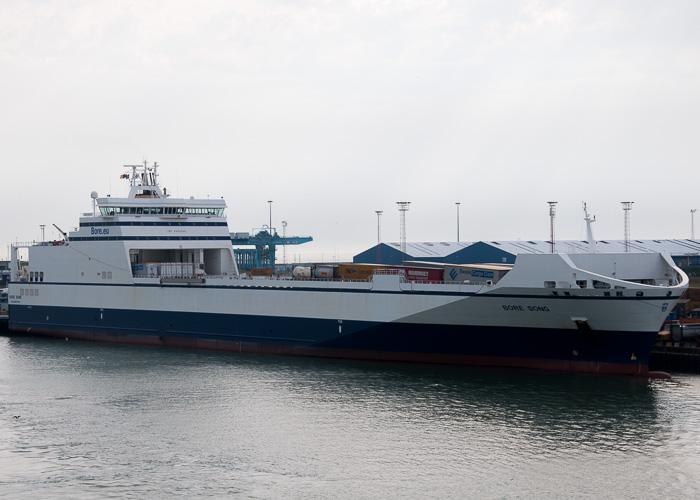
<point x="210" y="211"/>
<point x="205" y="211"/>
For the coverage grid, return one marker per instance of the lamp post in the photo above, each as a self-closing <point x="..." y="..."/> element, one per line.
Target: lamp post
<point x="403" y="208"/>
<point x="270" y="202"/>
<point x="457" y="221"/>
<point x="627" y="206"/>
<point x="692" y="223"/>
<point x="379" y="236"/>
<point x="552" y="214"/>
<point x="284" y="237"/>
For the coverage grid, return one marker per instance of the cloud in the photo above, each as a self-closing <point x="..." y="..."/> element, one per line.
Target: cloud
<point x="352" y="106"/>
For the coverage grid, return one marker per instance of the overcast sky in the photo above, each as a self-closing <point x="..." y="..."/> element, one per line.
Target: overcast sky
<point x="336" y="109"/>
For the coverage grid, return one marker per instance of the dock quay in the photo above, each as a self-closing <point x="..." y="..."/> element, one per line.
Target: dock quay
<point x="678" y="348"/>
<point x="676" y="356"/>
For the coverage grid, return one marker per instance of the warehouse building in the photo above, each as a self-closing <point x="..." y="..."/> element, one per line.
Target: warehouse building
<point x="686" y="253"/>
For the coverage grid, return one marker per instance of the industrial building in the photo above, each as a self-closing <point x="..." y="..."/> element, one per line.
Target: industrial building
<point x="686" y="253"/>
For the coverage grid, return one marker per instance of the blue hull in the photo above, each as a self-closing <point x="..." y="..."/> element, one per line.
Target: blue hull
<point x="570" y="350"/>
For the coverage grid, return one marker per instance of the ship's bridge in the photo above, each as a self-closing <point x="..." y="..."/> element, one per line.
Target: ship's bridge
<point x="147" y="198"/>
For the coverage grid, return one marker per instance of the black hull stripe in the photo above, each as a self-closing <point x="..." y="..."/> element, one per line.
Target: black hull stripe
<point x="282" y="288"/>
<point x="148" y="238"/>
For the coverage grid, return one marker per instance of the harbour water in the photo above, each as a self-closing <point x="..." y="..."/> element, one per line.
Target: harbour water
<point x="91" y="420"/>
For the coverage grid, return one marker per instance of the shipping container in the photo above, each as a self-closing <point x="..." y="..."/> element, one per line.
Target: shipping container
<point x="152" y="269"/>
<point x="165" y="269"/>
<point x="323" y="272"/>
<point x="176" y="269"/>
<point x="362" y="272"/>
<point x="301" y="273"/>
<point x="261" y="271"/>
<point x="475" y="273"/>
<point x="411" y="273"/>
<point x="187" y="269"/>
<point x="420" y="274"/>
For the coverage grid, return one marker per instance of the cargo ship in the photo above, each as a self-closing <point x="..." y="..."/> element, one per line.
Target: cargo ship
<point x="153" y="269"/>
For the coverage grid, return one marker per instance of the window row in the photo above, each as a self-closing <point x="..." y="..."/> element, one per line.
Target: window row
<point x="107" y="211"/>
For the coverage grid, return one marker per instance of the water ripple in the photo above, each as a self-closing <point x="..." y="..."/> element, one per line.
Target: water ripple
<point x="118" y="421"/>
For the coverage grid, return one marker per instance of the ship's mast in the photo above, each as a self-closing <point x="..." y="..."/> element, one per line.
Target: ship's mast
<point x="144" y="176"/>
<point x="132" y="179"/>
<point x="148" y="176"/>
<point x="155" y="173"/>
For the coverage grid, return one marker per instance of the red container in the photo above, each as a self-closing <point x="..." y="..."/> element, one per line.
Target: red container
<point x="421" y="274"/>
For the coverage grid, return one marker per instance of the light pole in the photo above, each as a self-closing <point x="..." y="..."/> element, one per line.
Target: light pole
<point x="379" y="236"/>
<point x="627" y="206"/>
<point x="284" y="237"/>
<point x="403" y="208"/>
<point x="270" y="202"/>
<point x="552" y="214"/>
<point x="457" y="221"/>
<point x="692" y="223"/>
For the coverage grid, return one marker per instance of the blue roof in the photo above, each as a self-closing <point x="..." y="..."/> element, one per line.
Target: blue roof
<point x="431" y="249"/>
<point x="505" y="251"/>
